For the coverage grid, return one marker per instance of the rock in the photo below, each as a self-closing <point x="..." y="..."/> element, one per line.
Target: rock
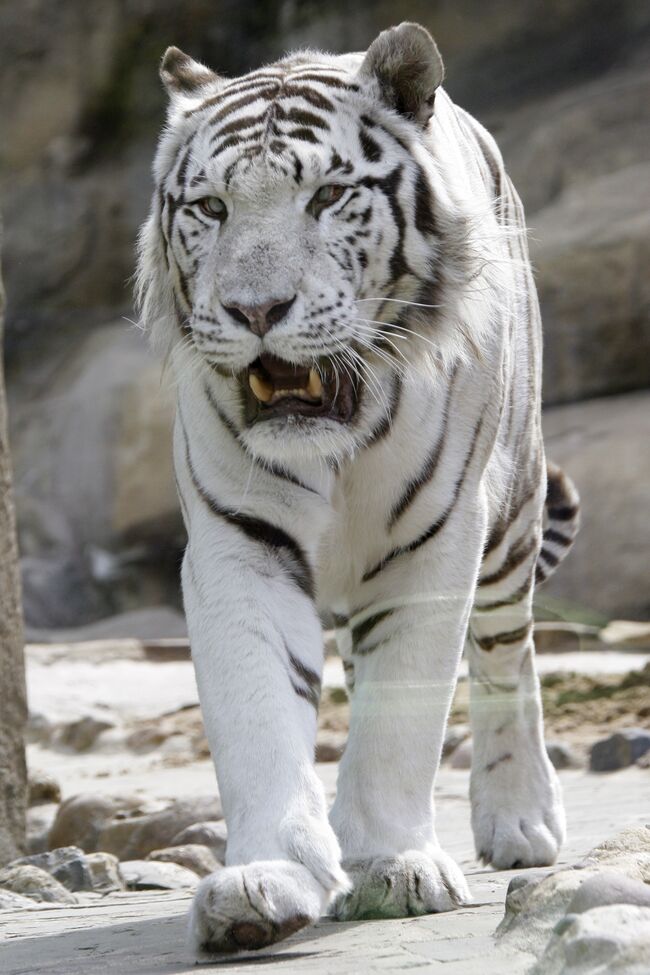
<point x="81" y="818"/>
<point x="626" y="633"/>
<point x="534" y="907"/>
<point x="193" y="856"/>
<point x="153" y="623"/>
<point x="133" y="837"/>
<point x="43" y="788"/>
<point x="612" y="940"/>
<point x="562" y="756"/>
<point x="461" y="757"/>
<point x="212" y="834"/>
<point x="627" y="851"/>
<point x="609" y="887"/>
<point x="39" y="822"/>
<point x="455" y="735"/>
<point x="81" y="735"/>
<point x="615" y="497"/>
<point x="153" y="875"/>
<point x="105" y="872"/>
<point x="330" y="745"/>
<point x="67" y="865"/>
<point x="619" y="750"/>
<point x="36" y="884"/>
<point x="15" y="902"/>
<point x="537" y="902"/>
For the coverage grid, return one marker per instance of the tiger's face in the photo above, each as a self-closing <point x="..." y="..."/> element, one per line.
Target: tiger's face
<point x="297" y="221"/>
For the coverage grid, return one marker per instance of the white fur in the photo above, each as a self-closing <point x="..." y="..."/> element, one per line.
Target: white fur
<point x="246" y="615"/>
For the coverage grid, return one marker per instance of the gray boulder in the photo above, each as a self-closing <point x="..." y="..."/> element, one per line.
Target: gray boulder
<point x="615" y="500"/>
<point x="37" y="884"/>
<point x="133" y="837"/>
<point x="612" y="940"/>
<point x="67" y="865"/>
<point x="619" y="750"/>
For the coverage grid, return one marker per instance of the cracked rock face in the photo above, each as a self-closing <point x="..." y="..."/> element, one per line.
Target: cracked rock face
<point x="590" y="919"/>
<point x="603" y="941"/>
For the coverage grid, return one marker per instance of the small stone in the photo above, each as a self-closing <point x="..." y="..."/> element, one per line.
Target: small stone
<point x="455" y="735"/>
<point x="461" y="757"/>
<point x="561" y="756"/>
<point x="212" y="834"/>
<point x="43" y="788"/>
<point x="330" y="745"/>
<point x="35" y="883"/>
<point x="67" y="865"/>
<point x="609" y="887"/>
<point x="105" y="872"/>
<point x="156" y="875"/>
<point x="619" y="750"/>
<point x="193" y="856"/>
<point x="81" y="735"/>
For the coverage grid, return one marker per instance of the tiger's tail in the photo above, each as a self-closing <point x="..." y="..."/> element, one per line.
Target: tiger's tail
<point x="563" y="521"/>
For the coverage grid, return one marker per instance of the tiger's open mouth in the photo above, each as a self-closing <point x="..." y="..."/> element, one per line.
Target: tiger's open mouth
<point x="276" y="388"/>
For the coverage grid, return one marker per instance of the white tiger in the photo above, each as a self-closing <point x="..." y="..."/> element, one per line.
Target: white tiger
<point x="336" y="262"/>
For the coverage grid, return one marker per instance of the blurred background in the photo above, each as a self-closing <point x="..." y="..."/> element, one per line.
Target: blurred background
<point x="117" y="758"/>
<point x="564" y="85"/>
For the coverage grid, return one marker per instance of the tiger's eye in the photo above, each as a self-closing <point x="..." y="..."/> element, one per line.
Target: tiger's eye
<point x="325" y="197"/>
<point x="213" y="207"/>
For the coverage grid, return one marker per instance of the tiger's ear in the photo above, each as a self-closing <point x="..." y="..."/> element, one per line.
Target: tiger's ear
<point x="181" y="75"/>
<point x="407" y="65"/>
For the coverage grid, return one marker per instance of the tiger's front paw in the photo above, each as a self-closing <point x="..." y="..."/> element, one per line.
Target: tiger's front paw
<point x="407" y="885"/>
<point x="253" y="906"/>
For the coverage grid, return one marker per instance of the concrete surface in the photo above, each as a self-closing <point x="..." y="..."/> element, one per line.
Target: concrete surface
<point x="144" y="934"/>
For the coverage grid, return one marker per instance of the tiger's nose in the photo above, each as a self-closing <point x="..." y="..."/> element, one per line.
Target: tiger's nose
<point x="260" y="318"/>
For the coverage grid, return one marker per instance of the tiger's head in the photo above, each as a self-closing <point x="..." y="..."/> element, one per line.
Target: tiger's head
<point x="297" y="236"/>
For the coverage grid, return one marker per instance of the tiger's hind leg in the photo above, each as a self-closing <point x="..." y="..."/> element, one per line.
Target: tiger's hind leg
<point x="517" y="811"/>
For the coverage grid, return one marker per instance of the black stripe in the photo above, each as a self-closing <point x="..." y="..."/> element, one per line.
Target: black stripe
<point x="312" y="97"/>
<point x="510" y="600"/>
<point x="312" y="692"/>
<point x="371" y="149"/>
<point x="551" y="535"/>
<point x="428" y="469"/>
<point x="326" y="79"/>
<point x="505" y="639"/>
<point x="566" y="512"/>
<point x="425" y="221"/>
<point x="361" y="630"/>
<point x="303" y="135"/>
<point x="283" y="546"/>
<point x="549" y="557"/>
<point x="243" y="122"/>
<point x="387" y="420"/>
<point x="516" y="556"/>
<point x="442" y="520"/>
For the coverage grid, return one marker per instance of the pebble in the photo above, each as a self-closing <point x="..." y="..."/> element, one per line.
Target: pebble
<point x="609" y="887"/>
<point x="133" y="837"/>
<point x="81" y="735"/>
<point x="67" y="865"/>
<point x="35" y="883"/>
<point x="212" y="834"/>
<point x="156" y="875"/>
<point x="81" y="818"/>
<point x="619" y="750"/>
<point x="105" y="872"/>
<point x="561" y="756"/>
<point x="193" y="856"/>
<point x="43" y="788"/>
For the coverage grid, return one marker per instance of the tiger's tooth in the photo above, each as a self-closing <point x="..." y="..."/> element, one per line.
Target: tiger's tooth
<point x="314" y="386"/>
<point x="261" y="390"/>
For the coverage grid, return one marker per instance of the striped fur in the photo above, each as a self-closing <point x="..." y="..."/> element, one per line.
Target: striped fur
<point x="422" y="519"/>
